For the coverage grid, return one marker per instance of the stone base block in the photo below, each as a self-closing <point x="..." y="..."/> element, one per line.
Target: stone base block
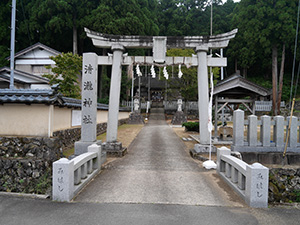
<point x="196" y="155"/>
<point x="135" y="118"/>
<point x="82" y="146"/>
<point x="119" y="153"/>
<point x="179" y="118"/>
<point x="114" y="146"/>
<point x="264" y="149"/>
<point x="114" y="149"/>
<point x="103" y="158"/>
<point x="198" y="150"/>
<point x="270" y="158"/>
<point x="204" y="148"/>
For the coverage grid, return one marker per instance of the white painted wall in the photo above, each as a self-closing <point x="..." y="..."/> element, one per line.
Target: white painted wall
<point x="24" y="120"/>
<point x="42" y="120"/>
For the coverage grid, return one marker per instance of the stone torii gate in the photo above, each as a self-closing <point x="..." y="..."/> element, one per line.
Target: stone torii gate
<point x="159" y="44"/>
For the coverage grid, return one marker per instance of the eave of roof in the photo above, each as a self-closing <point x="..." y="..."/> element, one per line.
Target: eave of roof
<point x="22" y="73"/>
<point x="237" y="81"/>
<point x="32" y="47"/>
<point x="7" y="78"/>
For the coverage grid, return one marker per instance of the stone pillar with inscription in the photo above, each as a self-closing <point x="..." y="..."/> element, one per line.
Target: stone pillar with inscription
<point x="111" y="146"/>
<point x="63" y="180"/>
<point x="89" y="103"/>
<point x="257" y="185"/>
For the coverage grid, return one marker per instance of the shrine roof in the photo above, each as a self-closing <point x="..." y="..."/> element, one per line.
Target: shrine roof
<point x="239" y="87"/>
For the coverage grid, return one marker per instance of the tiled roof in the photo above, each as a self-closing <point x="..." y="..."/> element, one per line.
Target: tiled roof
<point x="29" y="96"/>
<point x="43" y="96"/>
<point x="72" y="102"/>
<point x="5" y="71"/>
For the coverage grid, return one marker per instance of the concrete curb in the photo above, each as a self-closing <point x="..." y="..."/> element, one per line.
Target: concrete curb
<point x="16" y="194"/>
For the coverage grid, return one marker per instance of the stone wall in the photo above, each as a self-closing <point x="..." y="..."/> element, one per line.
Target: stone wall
<point x="271" y="158"/>
<point x="284" y="185"/>
<point x="69" y="136"/>
<point x="26" y="163"/>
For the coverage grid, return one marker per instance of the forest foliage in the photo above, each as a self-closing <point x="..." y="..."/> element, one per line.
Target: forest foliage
<point x="265" y="27"/>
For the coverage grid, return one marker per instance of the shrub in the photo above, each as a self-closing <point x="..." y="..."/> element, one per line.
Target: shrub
<point x="191" y="126"/>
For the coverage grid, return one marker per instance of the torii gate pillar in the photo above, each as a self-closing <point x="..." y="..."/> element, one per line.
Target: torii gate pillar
<point x="114" y="93"/>
<point x="203" y="94"/>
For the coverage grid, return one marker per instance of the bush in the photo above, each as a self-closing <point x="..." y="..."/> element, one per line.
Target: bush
<point x="191" y="126"/>
<point x="104" y="100"/>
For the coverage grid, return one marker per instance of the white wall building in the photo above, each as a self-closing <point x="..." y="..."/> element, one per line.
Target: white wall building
<point x="29" y="67"/>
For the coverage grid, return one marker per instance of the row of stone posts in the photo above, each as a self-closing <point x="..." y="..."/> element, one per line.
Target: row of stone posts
<point x="265" y="144"/>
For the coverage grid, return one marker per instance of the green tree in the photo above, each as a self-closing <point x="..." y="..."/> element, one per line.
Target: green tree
<point x="50" y="20"/>
<point x="265" y="27"/>
<point x="222" y="16"/>
<point x="187" y="85"/>
<point x="5" y="14"/>
<point x="66" y="73"/>
<point x="129" y="17"/>
<point x="189" y="17"/>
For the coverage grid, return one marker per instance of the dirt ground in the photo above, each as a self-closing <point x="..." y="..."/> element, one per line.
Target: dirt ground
<point x="180" y="132"/>
<point x="126" y="133"/>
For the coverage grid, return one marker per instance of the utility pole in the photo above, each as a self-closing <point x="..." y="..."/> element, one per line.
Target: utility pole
<point x="211" y="16"/>
<point x="12" y="44"/>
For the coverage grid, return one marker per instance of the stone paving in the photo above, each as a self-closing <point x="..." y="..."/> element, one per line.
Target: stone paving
<point x="157" y="169"/>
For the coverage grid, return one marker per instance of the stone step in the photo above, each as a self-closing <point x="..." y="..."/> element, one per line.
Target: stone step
<point x="157" y="110"/>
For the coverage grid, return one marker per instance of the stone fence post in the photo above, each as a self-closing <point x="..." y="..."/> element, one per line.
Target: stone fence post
<point x="279" y="131"/>
<point x="222" y="151"/>
<point x="96" y="162"/>
<point x="252" y="130"/>
<point x="257" y="185"/>
<point x="238" y="128"/>
<point x="265" y="131"/>
<point x="63" y="180"/>
<point x="293" y="132"/>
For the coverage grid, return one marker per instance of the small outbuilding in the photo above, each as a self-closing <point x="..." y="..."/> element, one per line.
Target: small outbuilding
<point x="236" y="91"/>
